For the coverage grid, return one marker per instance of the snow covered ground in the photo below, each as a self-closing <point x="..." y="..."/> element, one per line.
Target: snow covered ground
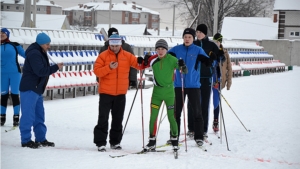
<point x="267" y="104"/>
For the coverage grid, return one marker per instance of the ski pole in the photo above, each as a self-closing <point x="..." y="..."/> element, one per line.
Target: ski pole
<point x="220" y="104"/>
<point x="160" y="120"/>
<point x="182" y="90"/>
<point x="234" y="112"/>
<point x="141" y="86"/>
<point x="131" y="106"/>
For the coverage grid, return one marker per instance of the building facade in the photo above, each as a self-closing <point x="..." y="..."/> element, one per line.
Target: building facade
<point x="287" y="13"/>
<point x="93" y="13"/>
<point x="42" y="7"/>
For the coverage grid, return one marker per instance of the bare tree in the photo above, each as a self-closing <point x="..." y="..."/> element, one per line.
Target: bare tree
<point x="227" y="8"/>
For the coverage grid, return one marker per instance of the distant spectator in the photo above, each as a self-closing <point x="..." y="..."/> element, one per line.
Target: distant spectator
<point x="10" y="75"/>
<point x="126" y="47"/>
<point x="36" y="72"/>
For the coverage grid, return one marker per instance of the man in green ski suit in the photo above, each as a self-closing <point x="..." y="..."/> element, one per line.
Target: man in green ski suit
<point x="163" y="66"/>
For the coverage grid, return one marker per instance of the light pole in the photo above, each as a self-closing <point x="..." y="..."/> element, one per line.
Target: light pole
<point x="216" y="17"/>
<point x="109" y="25"/>
<point x="173" y="20"/>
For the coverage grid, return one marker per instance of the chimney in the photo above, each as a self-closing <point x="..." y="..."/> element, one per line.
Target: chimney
<point x="51" y="2"/>
<point x="17" y="1"/>
<point x="133" y="7"/>
<point x="133" y="2"/>
<point x="80" y="5"/>
<point x="125" y="2"/>
<point x="275" y="18"/>
<point x="84" y="6"/>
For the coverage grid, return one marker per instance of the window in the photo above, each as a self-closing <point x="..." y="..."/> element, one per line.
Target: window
<point x="17" y="7"/>
<point x="38" y="9"/>
<point x="1" y="7"/>
<point x="126" y="14"/>
<point x="145" y="16"/>
<point x="135" y="15"/>
<point x="294" y="34"/>
<point x="8" y="7"/>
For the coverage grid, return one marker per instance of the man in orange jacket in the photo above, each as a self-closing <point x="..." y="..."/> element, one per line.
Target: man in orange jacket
<point x="112" y="67"/>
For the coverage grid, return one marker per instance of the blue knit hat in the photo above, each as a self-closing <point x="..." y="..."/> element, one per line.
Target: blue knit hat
<point x="42" y="39"/>
<point x="115" y="39"/>
<point x="4" y="30"/>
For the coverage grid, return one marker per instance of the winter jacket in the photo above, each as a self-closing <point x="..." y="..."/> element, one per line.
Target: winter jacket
<point x="192" y="56"/>
<point x="114" y="81"/>
<point x="208" y="46"/>
<point x="126" y="47"/>
<point x="226" y="71"/>
<point x="36" y="70"/>
<point x="9" y="57"/>
<point x="163" y="69"/>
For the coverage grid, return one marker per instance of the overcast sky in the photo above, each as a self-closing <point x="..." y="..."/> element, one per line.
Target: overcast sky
<point x="166" y="12"/>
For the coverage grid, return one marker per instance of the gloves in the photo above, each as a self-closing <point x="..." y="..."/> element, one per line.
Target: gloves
<point x="181" y="63"/>
<point x="216" y="85"/>
<point x="213" y="56"/>
<point x="140" y="60"/>
<point x="146" y="58"/>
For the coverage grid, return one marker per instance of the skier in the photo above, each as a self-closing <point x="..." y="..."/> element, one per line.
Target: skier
<point x="226" y="76"/>
<point x="163" y="66"/>
<point x="206" y="79"/>
<point x="10" y="75"/>
<point x="193" y="56"/>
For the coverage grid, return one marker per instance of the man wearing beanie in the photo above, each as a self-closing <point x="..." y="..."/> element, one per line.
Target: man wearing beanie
<point x="10" y="75"/>
<point x="36" y="72"/>
<point x="211" y="49"/>
<point x="163" y="65"/>
<point x="112" y="67"/>
<point x="126" y="47"/>
<point x="226" y="76"/>
<point x="192" y="56"/>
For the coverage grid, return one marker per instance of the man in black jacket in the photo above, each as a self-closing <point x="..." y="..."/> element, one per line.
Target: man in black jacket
<point x="126" y="47"/>
<point x="210" y="49"/>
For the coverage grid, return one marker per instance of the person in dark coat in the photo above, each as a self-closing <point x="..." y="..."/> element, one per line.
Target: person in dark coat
<point x="126" y="47"/>
<point x="10" y="75"/>
<point x="36" y="72"/>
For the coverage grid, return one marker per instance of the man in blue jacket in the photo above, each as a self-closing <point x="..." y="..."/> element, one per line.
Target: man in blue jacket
<point x="10" y="75"/>
<point x="192" y="56"/>
<point x="36" y="72"/>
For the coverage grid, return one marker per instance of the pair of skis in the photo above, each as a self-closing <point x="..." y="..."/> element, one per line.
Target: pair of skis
<point x="139" y="152"/>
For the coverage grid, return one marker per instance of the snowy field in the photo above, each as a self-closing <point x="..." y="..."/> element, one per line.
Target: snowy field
<point x="268" y="105"/>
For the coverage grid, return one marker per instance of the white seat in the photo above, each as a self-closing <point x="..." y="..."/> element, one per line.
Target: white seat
<point x="15" y="38"/>
<point x="54" y="41"/>
<point x="22" y="35"/>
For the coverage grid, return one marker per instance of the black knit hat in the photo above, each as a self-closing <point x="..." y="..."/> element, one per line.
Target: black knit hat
<point x="202" y="28"/>
<point x="161" y="43"/>
<point x="189" y="31"/>
<point x="218" y="37"/>
<point x="112" y="31"/>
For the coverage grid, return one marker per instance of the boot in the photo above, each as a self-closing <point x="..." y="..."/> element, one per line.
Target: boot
<point x="215" y="125"/>
<point x="190" y="134"/>
<point x="151" y="145"/>
<point x="174" y="141"/>
<point x="3" y="119"/>
<point x="16" y="120"/>
<point x="46" y="143"/>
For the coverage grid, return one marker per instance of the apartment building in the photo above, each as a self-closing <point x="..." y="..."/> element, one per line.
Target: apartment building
<point x="42" y="6"/>
<point x="93" y="13"/>
<point x="287" y="13"/>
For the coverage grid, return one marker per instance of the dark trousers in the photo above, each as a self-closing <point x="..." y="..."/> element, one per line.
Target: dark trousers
<point x="115" y="104"/>
<point x="205" y="99"/>
<point x="194" y="98"/>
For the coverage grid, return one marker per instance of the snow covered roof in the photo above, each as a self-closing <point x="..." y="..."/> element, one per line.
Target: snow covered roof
<point x="254" y="28"/>
<point x="116" y="7"/>
<point x="286" y="5"/>
<point x="38" y="2"/>
<point x="15" y="19"/>
<point x="125" y="29"/>
<point x="163" y="32"/>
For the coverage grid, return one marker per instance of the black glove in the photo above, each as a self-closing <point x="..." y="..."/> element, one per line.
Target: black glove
<point x="140" y="60"/>
<point x="181" y="63"/>
<point x="221" y="52"/>
<point x="146" y="58"/>
<point x="213" y="56"/>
